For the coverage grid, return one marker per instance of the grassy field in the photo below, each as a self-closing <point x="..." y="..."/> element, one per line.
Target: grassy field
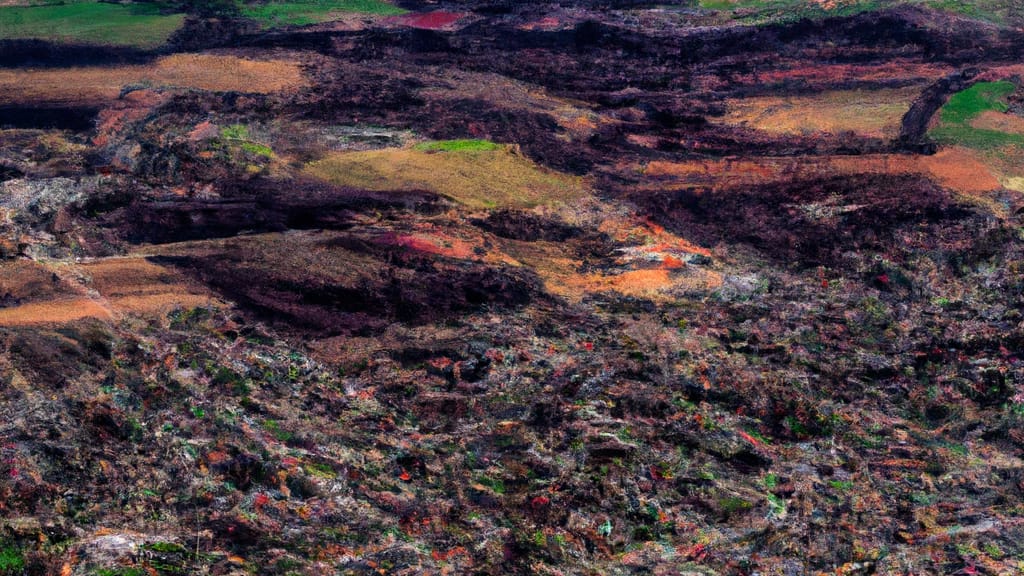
<point x="753" y="11"/>
<point x="139" y="25"/>
<point x="313" y="11"/>
<point x="956" y="118"/>
<point x="977" y="120"/>
<point x="874" y="113"/>
<point x="458" y="146"/>
<point x="981" y="97"/>
<point x="488" y="178"/>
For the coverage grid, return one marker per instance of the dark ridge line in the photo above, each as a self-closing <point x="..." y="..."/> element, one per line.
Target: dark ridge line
<point x="73" y="118"/>
<point x="46" y="54"/>
<point x="914" y="125"/>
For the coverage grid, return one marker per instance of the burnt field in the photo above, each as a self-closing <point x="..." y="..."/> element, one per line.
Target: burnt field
<point x="511" y="288"/>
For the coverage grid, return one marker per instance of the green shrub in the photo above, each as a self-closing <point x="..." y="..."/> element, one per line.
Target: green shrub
<point x="12" y="560"/>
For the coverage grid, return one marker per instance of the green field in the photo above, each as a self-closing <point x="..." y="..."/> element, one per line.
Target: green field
<point x="458" y="146"/>
<point x="312" y="11"/>
<point x="955" y="117"/>
<point x="759" y="11"/>
<point x="982" y="97"/>
<point x="139" y="25"/>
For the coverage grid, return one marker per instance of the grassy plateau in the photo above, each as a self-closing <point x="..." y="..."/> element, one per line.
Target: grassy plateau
<point x="138" y="25"/>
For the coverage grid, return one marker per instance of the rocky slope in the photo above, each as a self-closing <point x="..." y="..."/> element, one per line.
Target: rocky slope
<point x="495" y="288"/>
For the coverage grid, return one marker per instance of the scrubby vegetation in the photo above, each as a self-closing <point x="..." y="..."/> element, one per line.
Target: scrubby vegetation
<point x="577" y="287"/>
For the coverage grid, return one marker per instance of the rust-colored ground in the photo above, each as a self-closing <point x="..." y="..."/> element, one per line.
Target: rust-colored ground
<point x="831" y="74"/>
<point x="22" y="280"/>
<point x="60" y="311"/>
<point x="992" y="120"/>
<point x="428" y="21"/>
<point x="103" y="289"/>
<point x="875" y="113"/>
<point x="654" y="267"/>
<point x="137" y="286"/>
<point x="213" y="72"/>
<point x="958" y="169"/>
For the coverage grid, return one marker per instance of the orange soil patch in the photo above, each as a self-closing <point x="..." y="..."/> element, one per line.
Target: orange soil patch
<point x="199" y="71"/>
<point x="559" y="270"/>
<point x="633" y="282"/>
<point x="52" y="312"/>
<point x="960" y="170"/>
<point x="137" y="286"/>
<point x="652" y="239"/>
<point x="957" y="169"/>
<point x="40" y="296"/>
<point x="124" y="285"/>
<point x="1008" y="163"/>
<point x="992" y="120"/>
<point x="653" y="283"/>
<point x="875" y="113"/>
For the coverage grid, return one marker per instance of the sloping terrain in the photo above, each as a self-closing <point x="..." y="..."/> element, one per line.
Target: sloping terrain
<point x="494" y="287"/>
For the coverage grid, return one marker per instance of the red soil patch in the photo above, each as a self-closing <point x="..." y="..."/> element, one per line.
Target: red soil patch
<point x="436" y="242"/>
<point x="428" y="21"/>
<point x="135" y="106"/>
<point x="203" y="131"/>
<point x="672" y="263"/>
<point x="448" y="247"/>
